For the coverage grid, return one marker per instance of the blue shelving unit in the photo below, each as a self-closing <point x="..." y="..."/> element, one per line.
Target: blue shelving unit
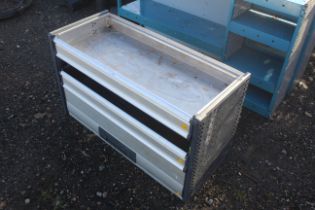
<point x="265" y="38"/>
<point x="308" y="48"/>
<point x="198" y="32"/>
<point x="204" y="34"/>
<point x="275" y="31"/>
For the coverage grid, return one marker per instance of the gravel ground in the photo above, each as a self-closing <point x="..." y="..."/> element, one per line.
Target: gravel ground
<point x="49" y="162"/>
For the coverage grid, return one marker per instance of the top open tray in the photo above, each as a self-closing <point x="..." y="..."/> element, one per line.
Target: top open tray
<point x="165" y="79"/>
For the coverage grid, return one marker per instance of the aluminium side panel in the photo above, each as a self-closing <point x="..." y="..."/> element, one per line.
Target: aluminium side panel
<point x="211" y="138"/>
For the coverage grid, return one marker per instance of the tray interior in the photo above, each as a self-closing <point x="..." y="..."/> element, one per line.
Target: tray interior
<point x="166" y="78"/>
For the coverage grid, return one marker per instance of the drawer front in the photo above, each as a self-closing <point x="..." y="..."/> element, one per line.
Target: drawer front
<point x="174" y="120"/>
<point x="155" y="155"/>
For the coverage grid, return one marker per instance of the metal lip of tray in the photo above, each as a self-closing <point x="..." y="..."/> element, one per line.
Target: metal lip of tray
<point x="151" y="98"/>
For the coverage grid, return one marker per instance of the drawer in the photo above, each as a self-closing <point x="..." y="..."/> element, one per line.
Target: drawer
<point x="104" y="119"/>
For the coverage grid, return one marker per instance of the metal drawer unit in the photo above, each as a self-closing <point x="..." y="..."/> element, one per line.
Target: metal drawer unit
<point x="167" y="108"/>
<point x="264" y="37"/>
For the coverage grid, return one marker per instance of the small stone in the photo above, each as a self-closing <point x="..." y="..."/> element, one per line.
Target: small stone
<point x="57" y="203"/>
<point x="284" y="152"/>
<point x="23" y="125"/>
<point x="104" y="194"/>
<point x="85" y="154"/>
<point x="209" y="202"/>
<point x="308" y="114"/>
<point x="11" y="116"/>
<point x="27" y="83"/>
<point x="18" y="46"/>
<point x="99" y="194"/>
<point x="311" y="79"/>
<point x="303" y="85"/>
<point x="39" y="116"/>
<point x="27" y="201"/>
<point x="101" y="168"/>
<point x="63" y="156"/>
<point x="268" y="162"/>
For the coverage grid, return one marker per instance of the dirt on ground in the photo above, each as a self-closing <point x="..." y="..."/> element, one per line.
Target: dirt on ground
<point x="8" y="4"/>
<point x="50" y="162"/>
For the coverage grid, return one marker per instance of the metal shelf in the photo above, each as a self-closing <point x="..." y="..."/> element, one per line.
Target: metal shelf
<point x="265" y="29"/>
<point x="288" y="8"/>
<point x="265" y="68"/>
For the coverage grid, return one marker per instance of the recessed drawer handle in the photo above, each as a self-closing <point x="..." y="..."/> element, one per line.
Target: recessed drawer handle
<point x="117" y="145"/>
